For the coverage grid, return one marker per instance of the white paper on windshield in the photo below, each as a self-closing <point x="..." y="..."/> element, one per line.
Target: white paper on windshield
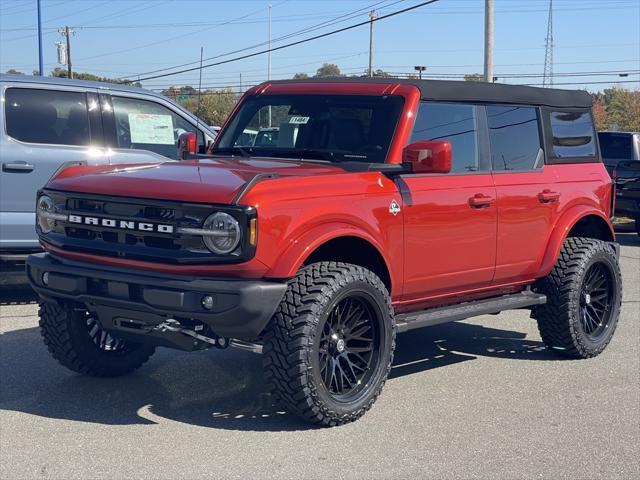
<point x="299" y="120"/>
<point x="148" y="128"/>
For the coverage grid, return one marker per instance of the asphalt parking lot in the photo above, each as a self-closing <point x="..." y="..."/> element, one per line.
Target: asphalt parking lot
<point x="475" y="399"/>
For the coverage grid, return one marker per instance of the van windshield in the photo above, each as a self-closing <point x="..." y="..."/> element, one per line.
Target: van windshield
<point x="316" y="127"/>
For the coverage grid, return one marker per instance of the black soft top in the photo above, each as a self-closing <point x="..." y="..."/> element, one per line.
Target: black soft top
<point x="458" y="91"/>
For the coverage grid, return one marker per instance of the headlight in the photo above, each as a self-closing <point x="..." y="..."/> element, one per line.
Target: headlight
<point x="222" y="233"/>
<point x="45" y="214"/>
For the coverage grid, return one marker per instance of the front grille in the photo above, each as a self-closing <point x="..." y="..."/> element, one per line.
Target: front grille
<point x="129" y="242"/>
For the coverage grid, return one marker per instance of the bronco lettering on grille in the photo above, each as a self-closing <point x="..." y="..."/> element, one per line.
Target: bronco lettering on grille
<point x="122" y="224"/>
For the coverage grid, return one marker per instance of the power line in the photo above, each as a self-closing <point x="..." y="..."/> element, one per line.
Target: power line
<point x="281" y="47"/>
<point x="324" y="24"/>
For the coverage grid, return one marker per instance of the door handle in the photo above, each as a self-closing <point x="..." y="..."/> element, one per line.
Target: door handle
<point x="17" y="167"/>
<point x="480" y="200"/>
<point x="547" y="196"/>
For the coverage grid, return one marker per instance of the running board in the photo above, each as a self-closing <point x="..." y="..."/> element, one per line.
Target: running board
<point x="460" y="311"/>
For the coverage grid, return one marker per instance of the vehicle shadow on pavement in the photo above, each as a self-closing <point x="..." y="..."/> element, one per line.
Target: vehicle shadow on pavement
<point x="215" y="389"/>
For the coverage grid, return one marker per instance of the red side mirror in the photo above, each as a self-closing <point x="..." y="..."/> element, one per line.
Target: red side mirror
<point x="187" y="145"/>
<point x="428" y="157"/>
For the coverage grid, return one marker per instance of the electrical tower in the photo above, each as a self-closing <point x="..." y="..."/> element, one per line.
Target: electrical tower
<point x="547" y="78"/>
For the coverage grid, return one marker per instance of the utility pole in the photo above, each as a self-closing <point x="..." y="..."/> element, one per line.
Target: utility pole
<point x="547" y="77"/>
<point x="488" y="41"/>
<point x="40" y="61"/>
<point x="240" y="86"/>
<point x="67" y="32"/>
<point x="269" y="59"/>
<point x="372" y="18"/>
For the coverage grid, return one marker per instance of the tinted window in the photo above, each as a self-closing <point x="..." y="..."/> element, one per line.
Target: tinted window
<point x="325" y="127"/>
<point x="514" y="136"/>
<point x="454" y="123"/>
<point x="572" y="134"/>
<point x="615" y="145"/>
<point x="150" y="126"/>
<point x="47" y="116"/>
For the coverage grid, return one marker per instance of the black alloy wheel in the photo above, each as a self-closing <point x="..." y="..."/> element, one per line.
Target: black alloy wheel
<point x="595" y="300"/>
<point x="349" y="346"/>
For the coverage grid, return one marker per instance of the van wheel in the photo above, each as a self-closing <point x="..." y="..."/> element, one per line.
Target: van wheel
<point x="329" y="347"/>
<point x="584" y="293"/>
<point x="75" y="338"/>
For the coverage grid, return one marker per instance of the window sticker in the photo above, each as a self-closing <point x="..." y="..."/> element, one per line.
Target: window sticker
<point x="148" y="128"/>
<point x="299" y="120"/>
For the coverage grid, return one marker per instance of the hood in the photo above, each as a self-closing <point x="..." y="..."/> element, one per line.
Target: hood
<point x="214" y="180"/>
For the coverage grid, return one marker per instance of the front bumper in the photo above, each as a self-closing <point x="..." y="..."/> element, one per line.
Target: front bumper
<point x="122" y="300"/>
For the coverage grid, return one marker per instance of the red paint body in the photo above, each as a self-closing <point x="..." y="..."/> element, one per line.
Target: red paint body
<point x="457" y="237"/>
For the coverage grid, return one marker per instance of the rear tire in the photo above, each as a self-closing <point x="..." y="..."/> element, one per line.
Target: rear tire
<point x="329" y="347"/>
<point x="584" y="293"/>
<point x="75" y="338"/>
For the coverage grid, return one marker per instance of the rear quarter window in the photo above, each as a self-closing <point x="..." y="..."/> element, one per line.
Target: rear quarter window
<point x="571" y="134"/>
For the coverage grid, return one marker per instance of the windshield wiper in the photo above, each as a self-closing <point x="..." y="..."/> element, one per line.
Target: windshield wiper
<point x="302" y="153"/>
<point x="243" y="151"/>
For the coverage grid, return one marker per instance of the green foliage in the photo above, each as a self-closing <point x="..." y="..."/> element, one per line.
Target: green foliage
<point x="215" y="105"/>
<point x="300" y="76"/>
<point x="13" y="71"/>
<point x="62" y="73"/>
<point x="328" y="70"/>
<point x="473" y="77"/>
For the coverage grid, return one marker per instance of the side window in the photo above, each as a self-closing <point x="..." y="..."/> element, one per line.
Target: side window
<point x="47" y="116"/>
<point x="146" y="125"/>
<point x="573" y="134"/>
<point x="514" y="137"/>
<point x="456" y="123"/>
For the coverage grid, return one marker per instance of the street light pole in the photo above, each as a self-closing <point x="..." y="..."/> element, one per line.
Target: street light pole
<point x="40" y="60"/>
<point x="420" y="69"/>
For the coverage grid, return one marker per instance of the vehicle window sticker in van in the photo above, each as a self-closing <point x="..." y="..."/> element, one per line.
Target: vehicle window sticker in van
<point x="146" y="128"/>
<point x="573" y="134"/>
<point x="52" y="117"/>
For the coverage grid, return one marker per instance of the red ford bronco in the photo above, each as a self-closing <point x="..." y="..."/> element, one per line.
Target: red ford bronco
<point x="374" y="207"/>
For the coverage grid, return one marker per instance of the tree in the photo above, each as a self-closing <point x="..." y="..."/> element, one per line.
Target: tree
<point x="473" y="77"/>
<point x="328" y="70"/>
<point x="300" y="76"/>
<point x="599" y="110"/>
<point x="13" y="71"/>
<point x="62" y="73"/>
<point x="215" y="105"/>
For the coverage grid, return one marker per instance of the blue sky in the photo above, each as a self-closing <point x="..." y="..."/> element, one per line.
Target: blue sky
<point x="594" y="39"/>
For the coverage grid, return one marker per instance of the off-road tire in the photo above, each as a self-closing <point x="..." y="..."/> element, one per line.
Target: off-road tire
<point x="291" y="342"/>
<point x="66" y="335"/>
<point x="559" y="320"/>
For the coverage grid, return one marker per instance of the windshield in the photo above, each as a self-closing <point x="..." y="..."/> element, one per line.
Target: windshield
<point x="319" y="127"/>
<point x="615" y="145"/>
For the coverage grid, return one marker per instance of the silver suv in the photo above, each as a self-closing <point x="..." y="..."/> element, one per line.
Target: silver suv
<point x="48" y="123"/>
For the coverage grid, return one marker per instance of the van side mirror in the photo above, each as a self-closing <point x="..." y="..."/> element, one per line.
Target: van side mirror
<point x="187" y="145"/>
<point x="428" y="157"/>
